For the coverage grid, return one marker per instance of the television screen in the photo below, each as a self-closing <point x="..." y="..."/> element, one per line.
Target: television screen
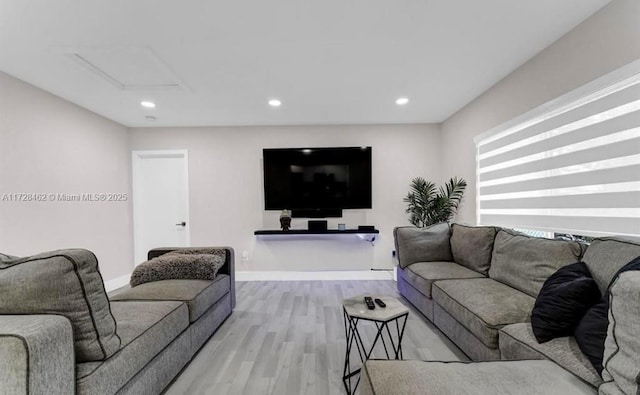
<point x="317" y="178"/>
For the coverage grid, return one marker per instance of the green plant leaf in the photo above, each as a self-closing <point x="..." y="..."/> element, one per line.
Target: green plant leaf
<point x="428" y="205"/>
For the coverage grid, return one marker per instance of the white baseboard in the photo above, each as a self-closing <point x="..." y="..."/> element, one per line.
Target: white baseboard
<point x="313" y="276"/>
<point x="117" y="282"/>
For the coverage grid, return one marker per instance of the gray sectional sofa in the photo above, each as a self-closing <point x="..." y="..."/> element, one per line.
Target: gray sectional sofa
<point x="478" y="285"/>
<point x="61" y="334"/>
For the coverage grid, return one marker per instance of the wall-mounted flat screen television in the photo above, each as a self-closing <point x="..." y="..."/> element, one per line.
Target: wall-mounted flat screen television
<point x="317" y="178"/>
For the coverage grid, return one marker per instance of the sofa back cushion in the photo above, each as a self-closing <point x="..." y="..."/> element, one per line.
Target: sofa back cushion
<point x="591" y="332"/>
<point x="66" y="283"/>
<point x="525" y="262"/>
<point x="622" y="345"/>
<point x="605" y="256"/>
<point x="422" y="244"/>
<point x="471" y="246"/>
<point x="5" y="257"/>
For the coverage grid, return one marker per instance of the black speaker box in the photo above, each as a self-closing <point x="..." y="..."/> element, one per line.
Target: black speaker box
<point x="317" y="225"/>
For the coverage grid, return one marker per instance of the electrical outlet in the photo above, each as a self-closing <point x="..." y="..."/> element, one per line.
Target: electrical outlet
<point x="245" y="256"/>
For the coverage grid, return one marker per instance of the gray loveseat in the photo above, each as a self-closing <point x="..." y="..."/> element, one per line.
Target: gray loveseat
<point x="61" y="334"/>
<point x="478" y="286"/>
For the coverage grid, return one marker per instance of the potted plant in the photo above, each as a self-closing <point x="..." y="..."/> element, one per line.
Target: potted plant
<point x="428" y="205"/>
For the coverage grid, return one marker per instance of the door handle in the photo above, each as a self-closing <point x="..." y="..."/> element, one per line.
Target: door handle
<point x="183" y="224"/>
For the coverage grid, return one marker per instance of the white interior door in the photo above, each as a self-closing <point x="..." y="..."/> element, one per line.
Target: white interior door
<point x="160" y="201"/>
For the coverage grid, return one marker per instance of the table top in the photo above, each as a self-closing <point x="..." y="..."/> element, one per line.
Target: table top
<point x="355" y="307"/>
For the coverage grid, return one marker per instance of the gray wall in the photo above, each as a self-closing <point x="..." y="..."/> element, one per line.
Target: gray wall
<point x="226" y="189"/>
<point x="51" y="146"/>
<point x="602" y="43"/>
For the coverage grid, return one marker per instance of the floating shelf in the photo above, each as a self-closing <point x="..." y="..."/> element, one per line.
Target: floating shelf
<point x="313" y="232"/>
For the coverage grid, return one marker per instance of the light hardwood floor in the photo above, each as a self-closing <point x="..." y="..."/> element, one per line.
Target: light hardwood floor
<point x="287" y="337"/>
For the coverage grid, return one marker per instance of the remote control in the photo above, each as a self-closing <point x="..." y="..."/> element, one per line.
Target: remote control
<point x="381" y="303"/>
<point x="369" y="302"/>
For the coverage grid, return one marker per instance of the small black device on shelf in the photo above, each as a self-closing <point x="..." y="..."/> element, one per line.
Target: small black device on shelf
<point x="380" y="303"/>
<point x="313" y="232"/>
<point x="369" y="302"/>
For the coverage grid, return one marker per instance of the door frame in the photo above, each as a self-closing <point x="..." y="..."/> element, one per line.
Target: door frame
<point x="136" y="157"/>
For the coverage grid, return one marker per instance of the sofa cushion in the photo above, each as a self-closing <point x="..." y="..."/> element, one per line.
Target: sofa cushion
<point x="469" y="378"/>
<point x="517" y="342"/>
<point x="413" y="295"/>
<point x="525" y="262"/>
<point x="562" y="301"/>
<point x="610" y="388"/>
<point x="591" y="331"/>
<point x="67" y="283"/>
<point x="199" y="295"/>
<point x="422" y="274"/>
<point x="483" y="305"/>
<point x="422" y="244"/>
<point x="471" y="246"/>
<point x="146" y="328"/>
<point x="36" y="355"/>
<point x="605" y="256"/>
<point x="6" y="257"/>
<point x="463" y="338"/>
<point x="622" y="345"/>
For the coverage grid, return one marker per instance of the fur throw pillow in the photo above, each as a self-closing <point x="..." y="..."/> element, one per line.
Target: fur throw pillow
<point x="192" y="263"/>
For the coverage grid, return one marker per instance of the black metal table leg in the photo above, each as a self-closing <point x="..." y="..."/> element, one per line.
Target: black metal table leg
<point x="353" y="335"/>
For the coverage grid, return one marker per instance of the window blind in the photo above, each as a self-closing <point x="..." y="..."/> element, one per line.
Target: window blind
<point x="573" y="167"/>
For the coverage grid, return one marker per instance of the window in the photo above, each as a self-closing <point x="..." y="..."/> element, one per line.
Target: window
<point x="570" y="166"/>
<point x="536" y="233"/>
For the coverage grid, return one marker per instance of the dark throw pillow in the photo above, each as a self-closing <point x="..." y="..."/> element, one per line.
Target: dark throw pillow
<point x="563" y="300"/>
<point x="591" y="332"/>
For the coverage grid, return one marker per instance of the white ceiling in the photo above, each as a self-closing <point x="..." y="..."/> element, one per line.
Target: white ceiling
<point x="212" y="62"/>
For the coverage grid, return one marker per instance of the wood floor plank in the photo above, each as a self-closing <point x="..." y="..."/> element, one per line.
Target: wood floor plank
<point x="287" y="337"/>
<point x="240" y="380"/>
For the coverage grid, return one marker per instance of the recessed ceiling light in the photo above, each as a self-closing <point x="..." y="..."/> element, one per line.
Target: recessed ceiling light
<point x="147" y="104"/>
<point x="275" y="103"/>
<point x="402" y="101"/>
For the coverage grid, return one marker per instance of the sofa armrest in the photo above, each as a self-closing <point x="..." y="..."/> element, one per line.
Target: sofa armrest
<point x="228" y="268"/>
<point x="36" y="355"/>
